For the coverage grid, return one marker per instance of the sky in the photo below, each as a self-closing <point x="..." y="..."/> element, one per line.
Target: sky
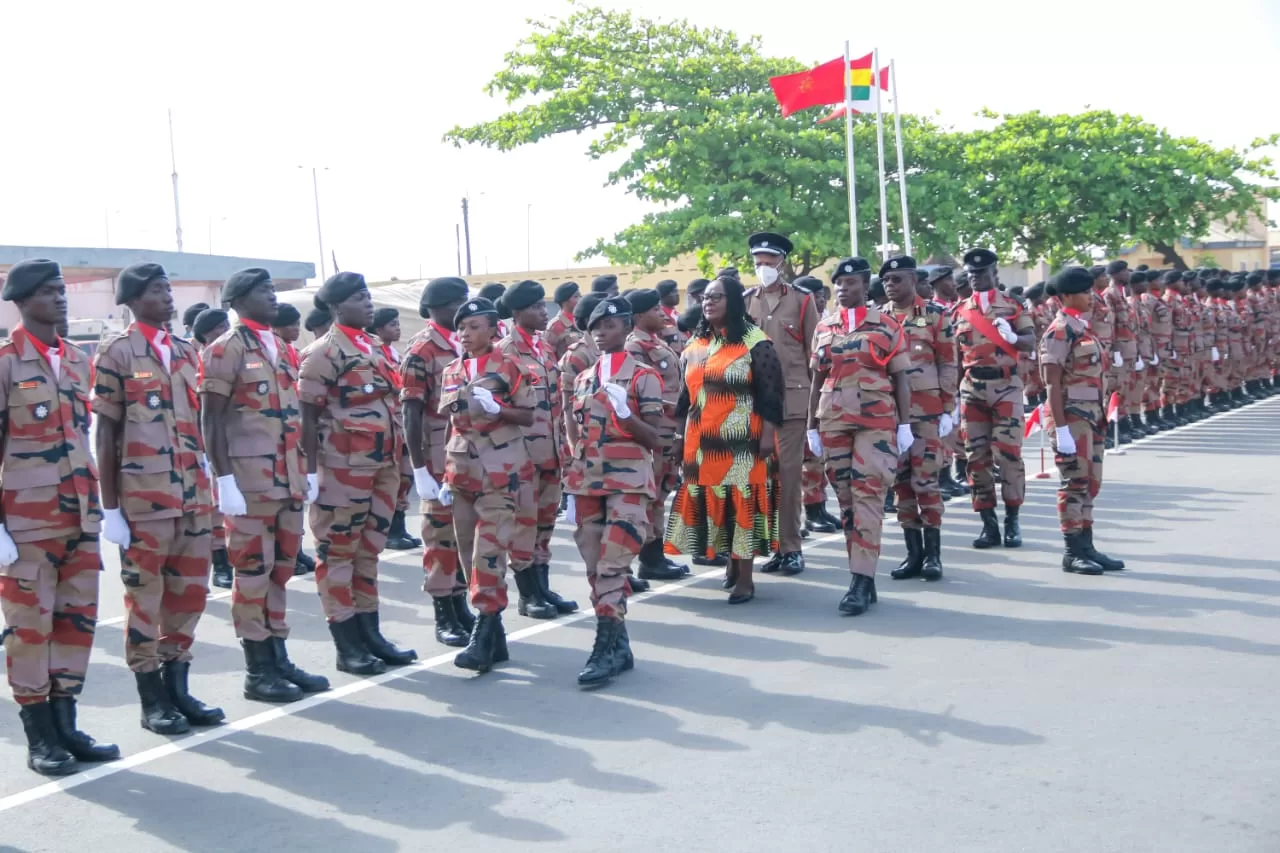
<point x="261" y="92"/>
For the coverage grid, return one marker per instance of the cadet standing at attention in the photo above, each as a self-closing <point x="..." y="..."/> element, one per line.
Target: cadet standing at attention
<point x="49" y="519"/>
<point x="206" y="327"/>
<point x="251" y="426"/>
<point x="352" y="441"/>
<point x="384" y="331"/>
<point x="561" y="331"/>
<point x="288" y="327"/>
<point x="156" y="500"/>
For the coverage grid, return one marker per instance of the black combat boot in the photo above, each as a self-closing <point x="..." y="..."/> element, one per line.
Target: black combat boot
<point x="290" y="672"/>
<point x="174" y="673"/>
<point x="1108" y="564"/>
<point x="448" y="631"/>
<point x="637" y="583"/>
<point x="378" y="645"/>
<point x="815" y="518"/>
<point x="932" y="570"/>
<point x="263" y="680"/>
<point x="532" y="604"/>
<point x="626" y="660"/>
<point x="914" y="562"/>
<point x="1155" y="423"/>
<point x="555" y="599"/>
<point x="603" y="664"/>
<point x="1012" y="528"/>
<point x="1126" y="430"/>
<point x="398" y="538"/>
<point x="990" y="536"/>
<point x="305" y="564"/>
<point x="353" y="656"/>
<point x="158" y="713"/>
<point x="861" y="595"/>
<point x="461" y="612"/>
<point x="479" y="655"/>
<point x="653" y="565"/>
<point x="962" y="477"/>
<point x="45" y="753"/>
<point x="223" y="576"/>
<point x="1073" y="556"/>
<point x="946" y="483"/>
<point x="76" y="742"/>
<point x="889" y="505"/>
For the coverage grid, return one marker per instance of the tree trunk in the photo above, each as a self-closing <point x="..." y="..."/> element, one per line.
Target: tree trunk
<point x="1170" y="255"/>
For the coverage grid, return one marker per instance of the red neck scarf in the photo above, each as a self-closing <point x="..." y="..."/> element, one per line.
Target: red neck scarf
<point x="449" y="337"/>
<point x="533" y="342"/>
<point x="357" y="337"/>
<point x="853" y="317"/>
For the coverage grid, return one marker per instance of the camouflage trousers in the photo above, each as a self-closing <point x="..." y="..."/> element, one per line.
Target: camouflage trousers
<point x="1081" y="473"/>
<point x="665" y="470"/>
<point x="350" y="525"/>
<point x="50" y="602"/>
<point x="991" y="412"/>
<point x="440" y="552"/>
<point x="861" y="465"/>
<point x="165" y="571"/>
<point x="814" y="480"/>
<point x="537" y="505"/>
<point x="611" y="529"/>
<point x="916" y="485"/>
<point x="1143" y="389"/>
<point x="485" y="526"/>
<point x="263" y="545"/>
<point x="219" y="528"/>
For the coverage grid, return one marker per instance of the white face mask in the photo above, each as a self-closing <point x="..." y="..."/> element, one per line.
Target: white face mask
<point x="767" y="275"/>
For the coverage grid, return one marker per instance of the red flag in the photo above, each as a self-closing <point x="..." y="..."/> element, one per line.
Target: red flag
<point x="813" y="88"/>
<point x="1034" y="423"/>
<point x="1113" y="407"/>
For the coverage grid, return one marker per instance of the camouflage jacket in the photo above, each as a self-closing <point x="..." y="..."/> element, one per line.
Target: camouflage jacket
<point x="1070" y="344"/>
<point x="608" y="461"/>
<point x="1102" y="322"/>
<point x="652" y="351"/>
<point x="485" y="454"/>
<point x="859" y="358"/>
<point x="976" y="348"/>
<point x="561" y="334"/>
<point x="359" y="401"/>
<point x="545" y="439"/>
<point x="430" y="352"/>
<point x="929" y="342"/>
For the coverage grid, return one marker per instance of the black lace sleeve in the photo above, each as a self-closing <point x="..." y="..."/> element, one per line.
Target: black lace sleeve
<point x="682" y="405"/>
<point x="767" y="386"/>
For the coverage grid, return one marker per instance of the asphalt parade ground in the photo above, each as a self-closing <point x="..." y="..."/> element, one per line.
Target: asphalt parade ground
<point x="1010" y="707"/>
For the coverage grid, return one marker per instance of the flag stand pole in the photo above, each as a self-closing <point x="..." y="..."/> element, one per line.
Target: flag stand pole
<point x="1043" y="475"/>
<point x="1115" y="427"/>
<point x="897" y="133"/>
<point x="884" y="203"/>
<point x="848" y="155"/>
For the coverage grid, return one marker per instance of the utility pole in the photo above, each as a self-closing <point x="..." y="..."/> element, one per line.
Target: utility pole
<point x="466" y="230"/>
<point x="457" y="239"/>
<point x="173" y="159"/>
<point x="528" y="236"/>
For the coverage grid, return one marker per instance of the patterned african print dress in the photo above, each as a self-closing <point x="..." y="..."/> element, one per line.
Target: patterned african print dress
<point x="726" y="503"/>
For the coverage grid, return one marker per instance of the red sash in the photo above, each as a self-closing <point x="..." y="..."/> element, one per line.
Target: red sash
<point x="980" y="322"/>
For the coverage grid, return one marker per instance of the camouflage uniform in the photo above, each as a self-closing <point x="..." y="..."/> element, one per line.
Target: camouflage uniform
<point x="612" y="479"/>
<point x="857" y="419"/>
<point x="991" y="402"/>
<point x="361" y="443"/>
<point x="1071" y="345"/>
<point x="485" y="463"/>
<point x="1235" y="343"/>
<point x="561" y="334"/>
<point x="1033" y="385"/>
<point x="1122" y="379"/>
<point x="263" y="426"/>
<point x="1140" y="400"/>
<point x="671" y="334"/>
<point x="1181" y="355"/>
<point x="163" y="491"/>
<point x="1162" y="377"/>
<point x="48" y="490"/>
<point x="430" y="352"/>
<point x="653" y="352"/>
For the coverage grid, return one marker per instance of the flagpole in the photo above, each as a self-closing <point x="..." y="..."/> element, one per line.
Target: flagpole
<point x="884" y="203"/>
<point x="902" y="172"/>
<point x="848" y="155"/>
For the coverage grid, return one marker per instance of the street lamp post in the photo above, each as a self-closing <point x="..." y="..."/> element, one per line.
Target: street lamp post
<point x="528" y="239"/>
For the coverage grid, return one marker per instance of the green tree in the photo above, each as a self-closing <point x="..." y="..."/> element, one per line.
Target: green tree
<point x="689" y="119"/>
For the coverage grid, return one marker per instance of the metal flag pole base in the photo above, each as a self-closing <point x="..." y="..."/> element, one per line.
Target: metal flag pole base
<point x="1117" y="450"/>
<point x="1043" y="475"/>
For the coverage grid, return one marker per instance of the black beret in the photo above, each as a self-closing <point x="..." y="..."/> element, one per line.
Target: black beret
<point x="286" y="315"/>
<point x="603" y="283"/>
<point x="690" y="319"/>
<point x="493" y="292"/>
<point x="728" y="272"/>
<point x="697" y="286"/>
<point x="1016" y="290"/>
<point x="643" y="300"/>
<point x="766" y="242"/>
<point x="1213" y="285"/>
<point x="1170" y="276"/>
<point x="27" y="275"/>
<point x="614" y="306"/>
<point x="666" y="287"/>
<point x="316" y="318"/>
<point x="440" y="292"/>
<point x="341" y="287"/>
<point x="901" y="262"/>
<point x="565" y="292"/>
<point x="807" y="284"/>
<point x="242" y="282"/>
<point x="381" y="317"/>
<point x="1117" y="266"/>
<point x="1072" y="280"/>
<point x="582" y="312"/>
<point x="922" y="276"/>
<point x="133" y="280"/>
<point x="1188" y="275"/>
<point x="1254" y="278"/>
<point x="189" y="316"/>
<point x="1142" y="268"/>
<point x="1049" y="289"/>
<point x="1036" y="290"/>
<point x="1098" y="271"/>
<point x="850" y="266"/>
<point x="206" y="322"/>
<point x="980" y="259"/>
<point x="939" y="273"/>
<point x="962" y="278"/>
<point x="1137" y="277"/>
<point x="477" y="307"/>
<point x="875" y="293"/>
<point x="522" y="295"/>
<point x="1273" y="275"/>
<point x="1204" y="273"/>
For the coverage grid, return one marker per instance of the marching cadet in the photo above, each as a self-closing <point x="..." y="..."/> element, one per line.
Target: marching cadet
<point x="942" y="279"/>
<point x="561" y="331"/>
<point x="385" y="332"/>
<point x="614" y="430"/>
<point x="539" y="500"/>
<point x="813" y="484"/>
<point x="156" y="501"/>
<point x="645" y="344"/>
<point x="189" y="318"/>
<point x="1141" y="319"/>
<point x="49" y="520"/>
<point x="352" y="440"/>
<point x="288" y="327"/>
<point x="789" y="318"/>
<point x="206" y="327"/>
<point x="859" y="395"/>
<point x="251" y="425"/>
<point x="1074" y="361"/>
<point x="669" y="294"/>
<point x="426" y="434"/>
<point x="488" y="399"/>
<point x="992" y="332"/>
<point x="929" y="344"/>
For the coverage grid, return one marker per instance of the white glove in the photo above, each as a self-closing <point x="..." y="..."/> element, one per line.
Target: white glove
<point x="905" y="438"/>
<point x="570" y="509"/>
<point x="618" y="399"/>
<point x="230" y="499"/>
<point x="1006" y="331"/>
<point x="946" y="424"/>
<point x="1117" y="359"/>
<point x="428" y="488"/>
<point x="8" y="550"/>
<point x="1213" y="353"/>
<point x="1173" y="354"/>
<point x="1155" y="359"/>
<point x="204" y="464"/>
<point x="484" y="397"/>
<point x="1066" y="443"/>
<point x="313" y="487"/>
<point x="815" y="442"/>
<point x="1139" y="364"/>
<point x="1032" y="355"/>
<point x="446" y="496"/>
<point x="114" y="527"/>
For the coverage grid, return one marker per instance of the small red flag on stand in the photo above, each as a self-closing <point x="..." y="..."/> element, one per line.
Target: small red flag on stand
<point x="1113" y="407"/>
